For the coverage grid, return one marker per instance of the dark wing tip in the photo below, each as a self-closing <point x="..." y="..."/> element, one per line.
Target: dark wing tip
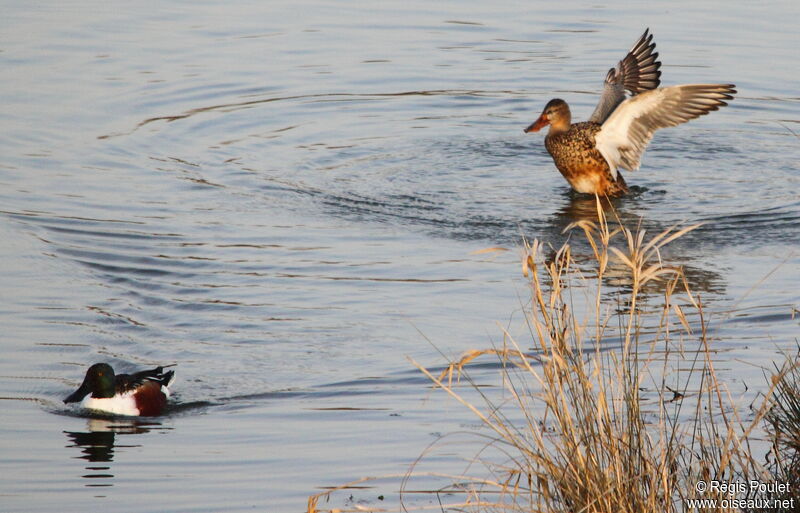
<point x="166" y="378"/>
<point x="639" y="70"/>
<point x="158" y="375"/>
<point x="644" y="39"/>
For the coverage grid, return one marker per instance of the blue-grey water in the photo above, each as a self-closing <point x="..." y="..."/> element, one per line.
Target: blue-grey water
<point x="287" y="199"/>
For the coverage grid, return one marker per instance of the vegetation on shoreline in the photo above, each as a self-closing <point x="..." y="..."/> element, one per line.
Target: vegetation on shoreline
<point x="623" y="410"/>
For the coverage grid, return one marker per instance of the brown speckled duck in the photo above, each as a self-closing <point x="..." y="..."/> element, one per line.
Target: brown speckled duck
<point x="589" y="154"/>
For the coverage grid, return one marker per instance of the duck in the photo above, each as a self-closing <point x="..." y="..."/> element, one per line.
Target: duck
<point x="590" y="154"/>
<point x="142" y="394"/>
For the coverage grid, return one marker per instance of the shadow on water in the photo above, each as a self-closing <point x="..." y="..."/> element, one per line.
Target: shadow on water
<point x="620" y="212"/>
<point x="469" y="208"/>
<point x="498" y="227"/>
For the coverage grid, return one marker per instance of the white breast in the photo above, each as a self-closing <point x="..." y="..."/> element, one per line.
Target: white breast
<point x="585" y="184"/>
<point x="123" y="404"/>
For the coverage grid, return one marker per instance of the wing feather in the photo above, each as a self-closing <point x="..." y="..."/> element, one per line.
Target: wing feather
<point x="626" y="133"/>
<point x="127" y="382"/>
<point x="636" y="73"/>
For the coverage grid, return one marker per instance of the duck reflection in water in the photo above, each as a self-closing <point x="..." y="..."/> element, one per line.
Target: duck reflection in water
<point x="628" y="212"/>
<point x="98" y="444"/>
<point x="583" y="207"/>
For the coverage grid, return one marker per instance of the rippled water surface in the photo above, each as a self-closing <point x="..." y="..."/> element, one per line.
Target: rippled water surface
<point x="288" y="199"/>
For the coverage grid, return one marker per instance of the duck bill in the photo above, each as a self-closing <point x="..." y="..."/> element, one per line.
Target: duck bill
<point x="537" y="125"/>
<point x="78" y="395"/>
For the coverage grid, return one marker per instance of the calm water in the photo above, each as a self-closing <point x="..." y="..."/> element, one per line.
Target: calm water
<point x="286" y="200"/>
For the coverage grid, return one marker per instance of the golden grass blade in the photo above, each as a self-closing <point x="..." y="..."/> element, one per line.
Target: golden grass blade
<point x="619" y="254"/>
<point x="682" y="318"/>
<point x="655" y="271"/>
<point x="494" y="249"/>
<point x="655" y="240"/>
<point x="679" y="233"/>
<point x="689" y="294"/>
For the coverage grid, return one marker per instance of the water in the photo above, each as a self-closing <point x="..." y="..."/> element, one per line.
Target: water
<point x="287" y="200"/>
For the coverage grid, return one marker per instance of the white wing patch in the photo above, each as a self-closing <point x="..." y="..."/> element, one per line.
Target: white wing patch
<point x="624" y="136"/>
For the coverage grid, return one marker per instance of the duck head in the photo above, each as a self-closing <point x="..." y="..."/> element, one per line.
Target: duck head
<point x="556" y="114"/>
<point x="99" y="382"/>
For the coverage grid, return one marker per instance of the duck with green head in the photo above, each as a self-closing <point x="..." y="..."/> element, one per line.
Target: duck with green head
<point x="141" y="394"/>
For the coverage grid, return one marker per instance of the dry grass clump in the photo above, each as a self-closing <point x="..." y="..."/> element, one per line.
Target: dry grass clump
<point x="592" y="447"/>
<point x="783" y="421"/>
<point x="784" y="416"/>
<point x="620" y="411"/>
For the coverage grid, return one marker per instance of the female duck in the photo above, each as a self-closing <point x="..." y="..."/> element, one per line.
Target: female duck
<point x="589" y="154"/>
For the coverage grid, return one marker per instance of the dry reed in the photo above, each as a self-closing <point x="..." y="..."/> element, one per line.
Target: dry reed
<point x="576" y="434"/>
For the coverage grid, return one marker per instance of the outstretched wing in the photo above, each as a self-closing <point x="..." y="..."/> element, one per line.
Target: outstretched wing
<point x="636" y="73"/>
<point x="625" y="134"/>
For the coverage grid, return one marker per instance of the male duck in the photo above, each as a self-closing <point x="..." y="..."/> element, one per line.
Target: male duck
<point x="144" y="393"/>
<point x="589" y="154"/>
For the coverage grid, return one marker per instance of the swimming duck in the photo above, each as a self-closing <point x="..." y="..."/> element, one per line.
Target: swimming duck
<point x="142" y="394"/>
<point x="589" y="154"/>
